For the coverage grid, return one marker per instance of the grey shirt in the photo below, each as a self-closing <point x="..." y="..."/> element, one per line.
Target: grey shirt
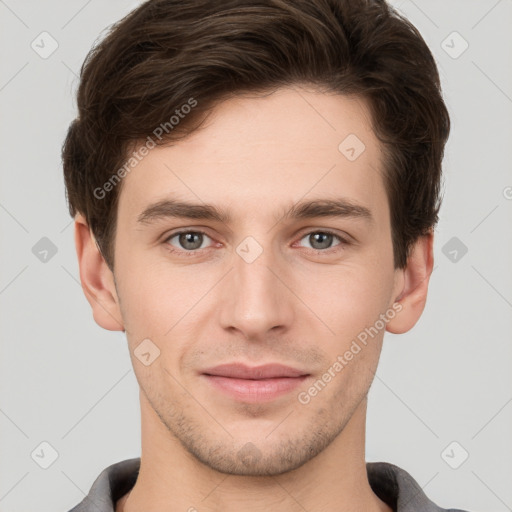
<point x="390" y="483"/>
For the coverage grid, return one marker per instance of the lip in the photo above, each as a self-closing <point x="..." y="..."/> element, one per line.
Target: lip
<point x="242" y="371"/>
<point x="254" y="384"/>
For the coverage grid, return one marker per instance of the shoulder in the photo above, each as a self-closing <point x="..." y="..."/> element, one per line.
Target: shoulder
<point x="399" y="489"/>
<point x="110" y="485"/>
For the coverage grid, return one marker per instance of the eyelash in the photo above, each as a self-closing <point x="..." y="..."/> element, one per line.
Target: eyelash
<point x="192" y="253"/>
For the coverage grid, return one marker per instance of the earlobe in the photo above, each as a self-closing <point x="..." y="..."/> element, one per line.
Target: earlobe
<point x="413" y="294"/>
<point x="97" y="279"/>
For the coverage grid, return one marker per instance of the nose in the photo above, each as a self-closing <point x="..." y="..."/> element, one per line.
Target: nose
<point x="257" y="297"/>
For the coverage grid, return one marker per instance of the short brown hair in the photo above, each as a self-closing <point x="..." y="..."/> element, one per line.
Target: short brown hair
<point x="166" y="52"/>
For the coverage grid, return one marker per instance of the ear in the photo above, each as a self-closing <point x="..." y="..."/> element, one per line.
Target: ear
<point x="97" y="279"/>
<point x="412" y="283"/>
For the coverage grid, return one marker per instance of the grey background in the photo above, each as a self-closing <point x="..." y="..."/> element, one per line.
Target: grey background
<point x="67" y="382"/>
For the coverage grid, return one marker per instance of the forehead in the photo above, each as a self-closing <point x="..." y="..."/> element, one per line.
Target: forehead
<point x="258" y="153"/>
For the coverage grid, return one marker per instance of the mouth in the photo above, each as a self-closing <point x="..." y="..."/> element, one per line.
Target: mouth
<point x="254" y="384"/>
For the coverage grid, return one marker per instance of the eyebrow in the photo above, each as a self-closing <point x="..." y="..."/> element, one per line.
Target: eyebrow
<point x="172" y="208"/>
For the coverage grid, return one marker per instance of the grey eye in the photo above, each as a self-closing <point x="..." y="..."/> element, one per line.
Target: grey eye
<point x="320" y="240"/>
<point x="189" y="240"/>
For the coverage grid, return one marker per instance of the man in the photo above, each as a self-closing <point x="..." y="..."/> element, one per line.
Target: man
<point x="255" y="185"/>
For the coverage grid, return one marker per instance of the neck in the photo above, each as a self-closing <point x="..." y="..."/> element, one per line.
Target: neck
<point x="171" y="479"/>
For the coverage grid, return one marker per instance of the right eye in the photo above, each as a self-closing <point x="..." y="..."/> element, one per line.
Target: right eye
<point x="187" y="241"/>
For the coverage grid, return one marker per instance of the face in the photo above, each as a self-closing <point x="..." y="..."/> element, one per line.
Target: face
<point x="258" y="277"/>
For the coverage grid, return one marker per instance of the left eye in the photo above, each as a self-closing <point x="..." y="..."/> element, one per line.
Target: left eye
<point x="322" y="240"/>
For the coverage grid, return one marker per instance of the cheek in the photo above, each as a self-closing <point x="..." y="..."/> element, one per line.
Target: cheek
<point x="165" y="305"/>
<point x="154" y="295"/>
<point x="350" y="306"/>
<point x="145" y="311"/>
<point x="346" y="298"/>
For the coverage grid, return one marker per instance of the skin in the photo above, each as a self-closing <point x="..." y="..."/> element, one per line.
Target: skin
<point x="256" y="156"/>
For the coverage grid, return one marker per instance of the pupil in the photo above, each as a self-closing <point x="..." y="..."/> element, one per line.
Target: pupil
<point x="324" y="236"/>
<point x="187" y="240"/>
